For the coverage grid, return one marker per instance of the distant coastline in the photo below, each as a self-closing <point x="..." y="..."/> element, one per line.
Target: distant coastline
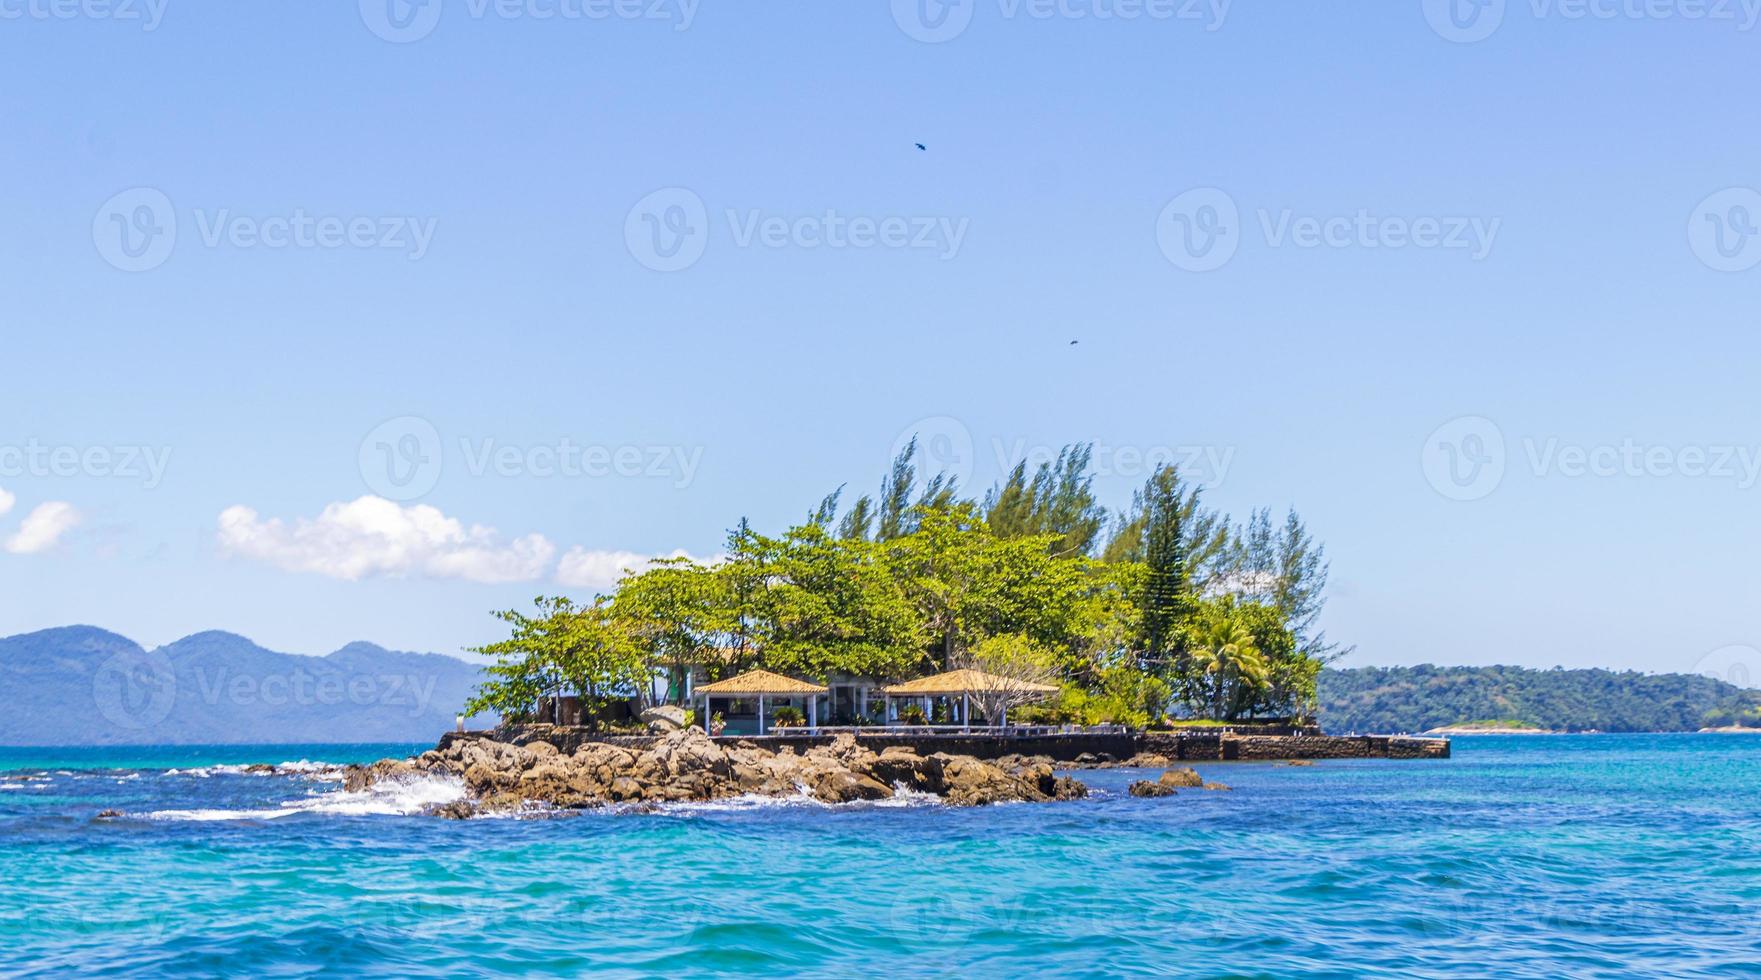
<point x="1479" y="729"/>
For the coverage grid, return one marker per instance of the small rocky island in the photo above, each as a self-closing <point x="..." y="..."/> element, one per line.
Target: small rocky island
<point x="689" y="766"/>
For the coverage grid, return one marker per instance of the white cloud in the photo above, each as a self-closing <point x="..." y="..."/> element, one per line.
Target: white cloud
<point x="373" y="536"/>
<point x="42" y="527"/>
<point x="582" y="568"/>
<point x="6" y="500"/>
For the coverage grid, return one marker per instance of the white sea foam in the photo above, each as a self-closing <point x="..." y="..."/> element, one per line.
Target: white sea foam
<point x="323" y="772"/>
<point x="390" y="797"/>
<point x="204" y="772"/>
<point x="802" y="798"/>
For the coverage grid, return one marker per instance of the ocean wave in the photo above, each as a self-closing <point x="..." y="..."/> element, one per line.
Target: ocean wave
<point x="223" y="769"/>
<point x="801" y="799"/>
<point x="390" y="797"/>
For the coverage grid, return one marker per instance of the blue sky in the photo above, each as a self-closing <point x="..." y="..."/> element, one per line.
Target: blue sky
<point x="1410" y="227"/>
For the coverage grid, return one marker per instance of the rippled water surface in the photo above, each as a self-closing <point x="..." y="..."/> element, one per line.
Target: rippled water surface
<point x="1523" y="856"/>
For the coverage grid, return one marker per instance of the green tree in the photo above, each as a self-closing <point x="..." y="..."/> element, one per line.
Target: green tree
<point x="1168" y="596"/>
<point x="1059" y="501"/>
<point x="1206" y="533"/>
<point x="564" y="649"/>
<point x="673" y="612"/>
<point x="1222" y="673"/>
<point x="833" y="606"/>
<point x="858" y="521"/>
<point x="895" y="495"/>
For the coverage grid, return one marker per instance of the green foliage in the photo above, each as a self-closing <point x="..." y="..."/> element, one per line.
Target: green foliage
<point x="1059" y="502"/>
<point x="1121" y="696"/>
<point x="671" y="611"/>
<point x="834" y="605"/>
<point x="1287" y="570"/>
<point x="1181" y="609"/>
<point x="1222" y="671"/>
<point x="566" y="648"/>
<point x="1416" y="699"/>
<point x="788" y="716"/>
<point x="895" y="494"/>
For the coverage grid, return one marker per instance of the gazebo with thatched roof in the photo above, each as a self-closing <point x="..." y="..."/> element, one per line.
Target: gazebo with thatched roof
<point x="767" y="688"/>
<point x="967" y="683"/>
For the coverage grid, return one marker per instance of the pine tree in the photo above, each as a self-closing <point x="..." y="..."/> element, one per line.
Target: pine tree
<point x="895" y="494"/>
<point x="1168" y="599"/>
<point x="858" y="520"/>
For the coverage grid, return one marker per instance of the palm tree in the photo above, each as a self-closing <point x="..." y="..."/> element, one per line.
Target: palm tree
<point x="1231" y="662"/>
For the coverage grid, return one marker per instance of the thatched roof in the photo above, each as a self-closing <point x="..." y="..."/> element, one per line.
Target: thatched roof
<point x="760" y="682"/>
<point x="967" y="681"/>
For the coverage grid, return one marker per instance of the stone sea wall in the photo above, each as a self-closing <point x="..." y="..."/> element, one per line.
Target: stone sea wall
<point x="1073" y="748"/>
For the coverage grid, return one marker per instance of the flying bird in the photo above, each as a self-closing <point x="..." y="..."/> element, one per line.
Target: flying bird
<point x="920" y="146"/>
<point x="1073" y="343"/>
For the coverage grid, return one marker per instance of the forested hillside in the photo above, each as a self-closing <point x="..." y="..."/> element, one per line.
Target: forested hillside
<point x="1413" y="699"/>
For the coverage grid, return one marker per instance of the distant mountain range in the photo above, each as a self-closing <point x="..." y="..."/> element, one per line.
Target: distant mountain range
<point x="80" y="685"/>
<point x="1416" y="699"/>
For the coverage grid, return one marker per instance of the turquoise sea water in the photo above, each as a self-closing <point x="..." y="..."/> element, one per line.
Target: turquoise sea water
<point x="1579" y="856"/>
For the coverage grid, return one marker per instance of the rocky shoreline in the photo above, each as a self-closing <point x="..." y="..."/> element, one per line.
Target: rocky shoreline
<point x="689" y="766"/>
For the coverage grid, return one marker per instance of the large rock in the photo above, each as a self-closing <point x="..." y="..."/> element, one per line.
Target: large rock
<point x="1181" y="778"/>
<point x="688" y="765"/>
<point x="1144" y="787"/>
<point x="664" y="718"/>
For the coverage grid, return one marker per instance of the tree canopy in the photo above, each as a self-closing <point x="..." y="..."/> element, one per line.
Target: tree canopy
<point x="1163" y="608"/>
